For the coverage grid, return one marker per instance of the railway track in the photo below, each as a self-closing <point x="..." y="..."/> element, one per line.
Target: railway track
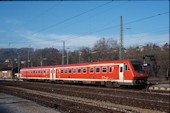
<point x="73" y="98"/>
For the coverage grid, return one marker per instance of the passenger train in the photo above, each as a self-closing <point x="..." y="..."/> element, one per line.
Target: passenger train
<point x="110" y="73"/>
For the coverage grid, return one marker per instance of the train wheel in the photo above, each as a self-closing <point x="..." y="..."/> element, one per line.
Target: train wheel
<point x="59" y="81"/>
<point x="112" y="84"/>
<point x="108" y="84"/>
<point x="24" y="79"/>
<point x="116" y="84"/>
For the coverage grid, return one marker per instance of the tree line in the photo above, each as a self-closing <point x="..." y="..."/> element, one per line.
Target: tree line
<point x="103" y="50"/>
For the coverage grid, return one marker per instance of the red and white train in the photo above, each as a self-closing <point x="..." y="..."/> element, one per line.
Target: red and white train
<point x="112" y="73"/>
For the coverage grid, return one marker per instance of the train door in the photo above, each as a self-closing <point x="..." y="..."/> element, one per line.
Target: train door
<point x="58" y="73"/>
<point x="52" y="73"/>
<point x="121" y="73"/>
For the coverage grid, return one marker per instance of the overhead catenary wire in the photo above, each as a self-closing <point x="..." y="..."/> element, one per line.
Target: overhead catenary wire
<point x="116" y="26"/>
<point x="72" y="17"/>
<point x="33" y="18"/>
<point x="107" y="28"/>
<point x="42" y="13"/>
<point x="92" y="16"/>
<point x="67" y="19"/>
<point x="99" y="30"/>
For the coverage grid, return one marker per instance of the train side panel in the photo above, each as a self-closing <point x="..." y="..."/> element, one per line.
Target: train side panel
<point x="121" y="71"/>
<point x="35" y="73"/>
<point x="90" y="73"/>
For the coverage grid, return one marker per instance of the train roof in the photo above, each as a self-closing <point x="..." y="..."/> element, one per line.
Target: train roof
<point x="84" y="64"/>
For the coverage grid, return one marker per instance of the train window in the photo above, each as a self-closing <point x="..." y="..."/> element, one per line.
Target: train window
<point x="84" y="70"/>
<point x="79" y="70"/>
<point x="69" y="70"/>
<point x="91" y="70"/>
<point x="74" y="71"/>
<point x="62" y="71"/>
<point x="121" y="69"/>
<point x="110" y="69"/>
<point x="104" y="69"/>
<point x="126" y="67"/>
<point x="97" y="69"/>
<point x="45" y="71"/>
<point x="66" y="71"/>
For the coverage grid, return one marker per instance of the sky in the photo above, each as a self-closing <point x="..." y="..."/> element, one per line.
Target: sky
<point x="46" y="24"/>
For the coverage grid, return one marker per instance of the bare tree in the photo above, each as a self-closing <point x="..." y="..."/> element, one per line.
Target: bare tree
<point x="105" y="49"/>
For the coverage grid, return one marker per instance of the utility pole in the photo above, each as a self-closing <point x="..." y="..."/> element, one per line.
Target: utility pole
<point x="63" y="53"/>
<point x="67" y="54"/>
<point x="80" y="56"/>
<point x="18" y="63"/>
<point x="41" y="61"/>
<point x="28" y="57"/>
<point x="121" y="39"/>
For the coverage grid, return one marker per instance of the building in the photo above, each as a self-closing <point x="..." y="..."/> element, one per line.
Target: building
<point x="6" y="74"/>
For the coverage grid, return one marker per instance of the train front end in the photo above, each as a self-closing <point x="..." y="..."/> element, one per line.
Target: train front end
<point x="140" y="76"/>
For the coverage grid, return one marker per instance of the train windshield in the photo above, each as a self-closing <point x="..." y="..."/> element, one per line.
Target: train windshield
<point x="138" y="68"/>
